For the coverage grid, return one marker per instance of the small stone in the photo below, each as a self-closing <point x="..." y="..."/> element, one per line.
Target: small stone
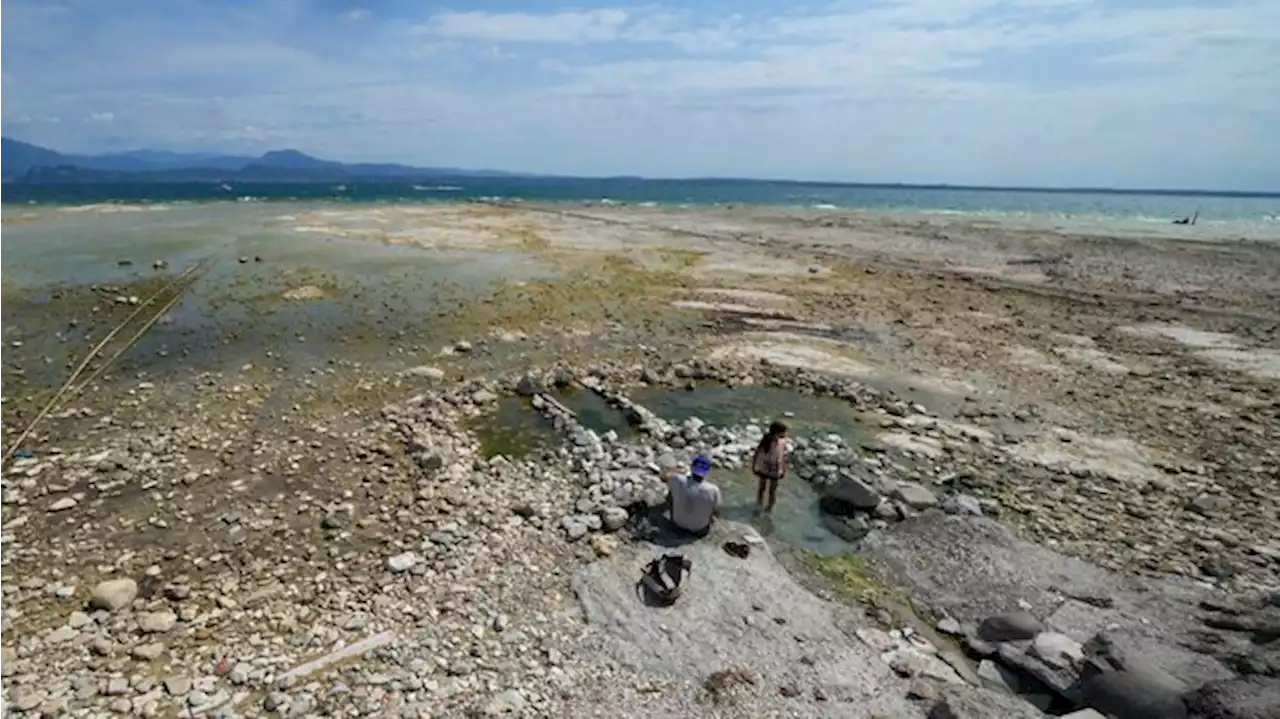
<point x="604" y="545"/>
<point x="402" y="562"/>
<point x="101" y="646"/>
<point x="113" y="594"/>
<point x="120" y="706"/>
<point x="63" y="504"/>
<point x="25" y="699"/>
<point x="950" y="627"/>
<point x="1057" y="650"/>
<point x="962" y="504"/>
<point x="483" y="396"/>
<point x="510" y="701"/>
<point x="8" y="661"/>
<point x="274" y="701"/>
<point x="177" y="685"/>
<point x="462" y="346"/>
<point x="1010" y="626"/>
<point x="424" y="372"/>
<point x="116" y="686"/>
<point x="614" y="518"/>
<point x="157" y="622"/>
<point x="923" y="691"/>
<point x="62" y="634"/>
<point x="78" y="620"/>
<point x="914" y="495"/>
<point x="148" y="652"/>
<point x="197" y="698"/>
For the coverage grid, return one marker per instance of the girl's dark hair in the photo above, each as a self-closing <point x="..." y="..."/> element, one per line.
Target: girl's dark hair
<point x="776" y="430"/>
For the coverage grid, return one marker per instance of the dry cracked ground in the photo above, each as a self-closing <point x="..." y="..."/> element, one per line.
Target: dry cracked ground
<point x="260" y="536"/>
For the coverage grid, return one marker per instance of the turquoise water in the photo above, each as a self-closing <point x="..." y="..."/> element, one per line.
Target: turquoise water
<point x="1159" y="207"/>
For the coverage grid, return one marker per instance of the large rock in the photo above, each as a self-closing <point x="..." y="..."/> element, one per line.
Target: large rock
<point x="113" y="594"/>
<point x="971" y="568"/>
<point x="1241" y="698"/>
<point x="1121" y="683"/>
<point x="854" y="492"/>
<point x="914" y="495"/>
<point x="1010" y="627"/>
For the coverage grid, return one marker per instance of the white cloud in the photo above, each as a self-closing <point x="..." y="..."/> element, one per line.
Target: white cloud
<point x="358" y="14"/>
<point x="101" y="116"/>
<point x="576" y="26"/>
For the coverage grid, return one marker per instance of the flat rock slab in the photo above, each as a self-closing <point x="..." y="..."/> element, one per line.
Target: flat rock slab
<point x="972" y="568"/>
<point x="800" y="650"/>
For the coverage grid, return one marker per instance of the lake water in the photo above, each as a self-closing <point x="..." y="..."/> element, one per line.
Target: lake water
<point x="1254" y="215"/>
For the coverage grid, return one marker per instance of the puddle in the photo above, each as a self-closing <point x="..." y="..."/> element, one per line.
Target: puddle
<point x="516" y="429"/>
<point x="758" y="404"/>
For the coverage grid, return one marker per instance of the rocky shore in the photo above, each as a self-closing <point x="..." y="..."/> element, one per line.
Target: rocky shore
<point x="1041" y="511"/>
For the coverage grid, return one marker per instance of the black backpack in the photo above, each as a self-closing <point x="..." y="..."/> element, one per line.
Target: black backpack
<point x="663" y="578"/>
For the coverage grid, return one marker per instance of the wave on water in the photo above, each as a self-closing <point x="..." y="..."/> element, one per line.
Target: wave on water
<point x="437" y="188"/>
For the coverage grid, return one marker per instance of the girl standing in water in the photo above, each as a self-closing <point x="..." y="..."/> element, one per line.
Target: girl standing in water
<point x="770" y="466"/>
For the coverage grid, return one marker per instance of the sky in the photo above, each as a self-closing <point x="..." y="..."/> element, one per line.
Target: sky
<point x="1112" y="93"/>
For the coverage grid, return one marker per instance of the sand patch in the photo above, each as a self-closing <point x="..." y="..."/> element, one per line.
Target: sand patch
<point x="1092" y="358"/>
<point x="306" y="292"/>
<point x="1225" y="350"/>
<point x="759" y="297"/>
<point x="791" y="350"/>
<point x="733" y="308"/>
<point x="765" y="323"/>
<point x="1072" y="339"/>
<point x="1119" y="459"/>
<point x="1264" y="363"/>
<point x="1031" y="358"/>
<point x="913" y="444"/>
<point x="1187" y="336"/>
<point x="820" y="354"/>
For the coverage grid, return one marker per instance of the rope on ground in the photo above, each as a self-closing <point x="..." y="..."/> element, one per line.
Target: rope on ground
<point x="133" y="340"/>
<point x="62" y="391"/>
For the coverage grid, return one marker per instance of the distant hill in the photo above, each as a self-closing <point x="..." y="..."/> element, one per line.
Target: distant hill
<point x="27" y="163"/>
<point x="18" y="157"/>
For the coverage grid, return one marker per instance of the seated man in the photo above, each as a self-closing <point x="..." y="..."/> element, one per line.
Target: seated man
<point x="694" y="501"/>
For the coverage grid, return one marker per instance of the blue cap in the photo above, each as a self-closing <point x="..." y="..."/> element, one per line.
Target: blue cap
<point x="701" y="465"/>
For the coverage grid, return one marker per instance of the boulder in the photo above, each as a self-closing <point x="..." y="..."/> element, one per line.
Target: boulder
<point x="914" y="495"/>
<point x="1009" y="627"/>
<point x="1122" y="683"/>
<point x="614" y="518"/>
<point x="854" y="492"/>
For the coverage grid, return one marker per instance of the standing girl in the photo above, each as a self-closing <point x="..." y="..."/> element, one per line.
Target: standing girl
<point x="770" y="466"/>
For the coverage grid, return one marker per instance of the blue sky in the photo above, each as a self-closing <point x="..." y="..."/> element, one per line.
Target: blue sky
<point x="1169" y="93"/>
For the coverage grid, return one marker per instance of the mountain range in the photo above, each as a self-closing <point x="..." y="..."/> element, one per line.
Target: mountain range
<point x="27" y="163"/>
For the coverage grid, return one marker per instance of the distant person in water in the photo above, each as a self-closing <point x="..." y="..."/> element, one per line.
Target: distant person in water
<point x="694" y="500"/>
<point x="770" y="466"/>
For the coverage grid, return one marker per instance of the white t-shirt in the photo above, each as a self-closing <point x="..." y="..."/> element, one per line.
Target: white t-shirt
<point x="693" y="502"/>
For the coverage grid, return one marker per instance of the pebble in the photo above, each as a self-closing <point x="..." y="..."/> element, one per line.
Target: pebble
<point x="113" y="594"/>
<point x="63" y="504"/>
<point x="177" y="685"/>
<point x="157" y="622"/>
<point x="148" y="652"/>
<point x="402" y="562"/>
